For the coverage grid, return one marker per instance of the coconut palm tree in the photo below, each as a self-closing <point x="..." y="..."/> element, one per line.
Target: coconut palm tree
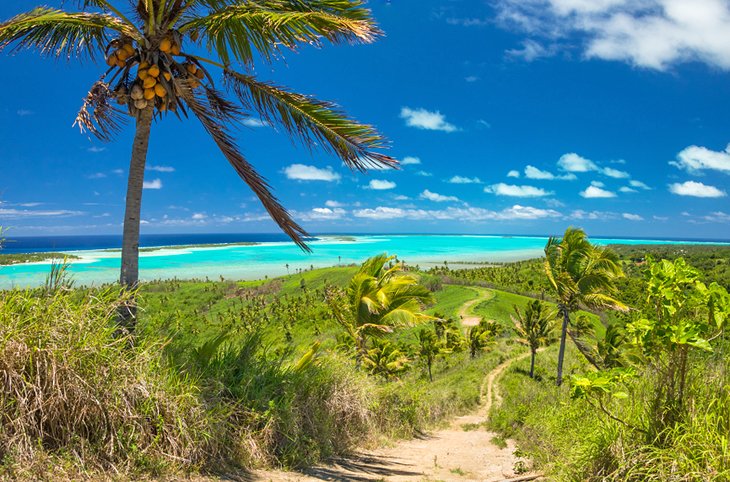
<point x="376" y="300"/>
<point x="163" y="57"/>
<point x="534" y="328"/>
<point x="580" y="274"/>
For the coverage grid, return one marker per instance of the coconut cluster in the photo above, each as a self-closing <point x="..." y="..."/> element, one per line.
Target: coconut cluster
<point x="156" y="73"/>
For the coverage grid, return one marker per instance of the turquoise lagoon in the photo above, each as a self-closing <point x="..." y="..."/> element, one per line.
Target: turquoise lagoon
<point x="271" y="259"/>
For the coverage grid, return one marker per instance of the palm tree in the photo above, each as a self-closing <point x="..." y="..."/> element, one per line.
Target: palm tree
<point x="580" y="274"/>
<point x="481" y="336"/>
<point x="429" y="348"/>
<point x="151" y="47"/>
<point x="376" y="300"/>
<point x="534" y="328"/>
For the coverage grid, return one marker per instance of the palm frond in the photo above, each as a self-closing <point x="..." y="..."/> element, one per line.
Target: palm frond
<point x="214" y="123"/>
<point x="237" y="30"/>
<point x="57" y="33"/>
<point x="312" y="121"/>
<point x="98" y="116"/>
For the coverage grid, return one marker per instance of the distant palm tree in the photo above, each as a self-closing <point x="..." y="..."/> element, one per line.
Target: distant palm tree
<point x="534" y="328"/>
<point x="580" y="274"/>
<point x="376" y="300"/>
<point x="154" y="71"/>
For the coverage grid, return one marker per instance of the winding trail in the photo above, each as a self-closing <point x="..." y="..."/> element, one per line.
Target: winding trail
<point x="467" y="317"/>
<point x="464" y="451"/>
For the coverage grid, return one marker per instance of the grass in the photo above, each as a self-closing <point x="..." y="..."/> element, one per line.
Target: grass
<point x="450" y="299"/>
<point x="10" y="259"/>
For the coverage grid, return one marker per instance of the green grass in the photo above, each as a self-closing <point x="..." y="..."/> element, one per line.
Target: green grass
<point x="450" y="299"/>
<point x="9" y="259"/>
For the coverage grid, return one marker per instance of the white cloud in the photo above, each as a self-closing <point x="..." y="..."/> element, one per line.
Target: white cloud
<point x="323" y="214"/>
<point x="96" y="175"/>
<point x="424" y="119"/>
<point x="592" y="192"/>
<point x="333" y="204"/>
<point x="572" y="162"/>
<point x="532" y="172"/>
<point x="632" y="217"/>
<point x="302" y="172"/>
<point x="198" y="216"/>
<point x="654" y="34"/>
<point x="423" y="174"/>
<point x="253" y="122"/>
<point x="592" y="215"/>
<point x="161" y="168"/>
<point x="118" y="172"/>
<point x="696" y="189"/>
<point x="436" y="197"/>
<point x="532" y="50"/>
<point x="696" y="158"/>
<point x="7" y="213"/>
<point x="615" y="173"/>
<point x="660" y="218"/>
<point x="410" y="160"/>
<point x="401" y="197"/>
<point x="464" y="180"/>
<point x="96" y="150"/>
<point x="597" y="184"/>
<point x="154" y="184"/>
<point x="639" y="184"/>
<point x="627" y="189"/>
<point x="469" y="214"/>
<point x="381" y="185"/>
<point x="502" y="189"/>
<point x="471" y="78"/>
<point x="513" y="173"/>
<point x="717" y="217"/>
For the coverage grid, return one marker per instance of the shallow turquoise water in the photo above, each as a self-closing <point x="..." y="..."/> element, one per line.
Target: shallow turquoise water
<point x="254" y="262"/>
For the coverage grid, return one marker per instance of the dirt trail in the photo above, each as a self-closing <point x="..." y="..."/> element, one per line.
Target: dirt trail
<point x="462" y="452"/>
<point x="467" y="317"/>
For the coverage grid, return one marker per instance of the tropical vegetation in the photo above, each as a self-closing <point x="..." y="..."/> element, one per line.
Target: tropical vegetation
<point x="163" y="58"/>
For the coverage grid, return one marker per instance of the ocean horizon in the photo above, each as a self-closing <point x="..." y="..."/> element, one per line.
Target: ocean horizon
<point x="255" y="256"/>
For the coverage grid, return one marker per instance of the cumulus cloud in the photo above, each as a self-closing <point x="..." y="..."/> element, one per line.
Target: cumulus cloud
<point x="532" y="50"/>
<point x="696" y="158"/>
<point x="154" y="184"/>
<point x="639" y="184"/>
<point x="381" y="185"/>
<point x="653" y="34"/>
<point x="593" y="192"/>
<point x="513" y="173"/>
<point x="303" y="172"/>
<point x="423" y="174"/>
<point x="333" y="204"/>
<point x="410" y="160"/>
<point x="632" y="217"/>
<point x="572" y="162"/>
<point x="502" y="189"/>
<point x="424" y="119"/>
<point x="627" y="189"/>
<point x="323" y="214"/>
<point x="696" y="189"/>
<point x="615" y="173"/>
<point x="11" y="213"/>
<point x="470" y="214"/>
<point x="253" y="122"/>
<point x="198" y="216"/>
<point x="436" y="197"/>
<point x="717" y="217"/>
<point x="464" y="180"/>
<point x="532" y="172"/>
<point x="161" y="168"/>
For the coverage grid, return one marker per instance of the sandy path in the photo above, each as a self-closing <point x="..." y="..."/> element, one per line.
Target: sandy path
<point x="462" y="452"/>
<point x="467" y="317"/>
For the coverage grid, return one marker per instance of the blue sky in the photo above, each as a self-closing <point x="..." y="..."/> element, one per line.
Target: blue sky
<point x="510" y="116"/>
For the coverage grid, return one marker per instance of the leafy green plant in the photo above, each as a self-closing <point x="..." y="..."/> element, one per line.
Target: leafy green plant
<point x="580" y="273"/>
<point x="429" y="348"/>
<point x="377" y="299"/>
<point x="534" y="328"/>
<point x="481" y="337"/>
<point x="385" y="359"/>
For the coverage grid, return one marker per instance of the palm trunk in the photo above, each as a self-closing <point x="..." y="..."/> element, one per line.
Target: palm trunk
<point x="561" y="353"/>
<point x="532" y="363"/>
<point x="129" y="276"/>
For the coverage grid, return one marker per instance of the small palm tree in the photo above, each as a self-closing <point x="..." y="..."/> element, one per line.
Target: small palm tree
<point x="481" y="336"/>
<point x="376" y="300"/>
<point x="385" y="359"/>
<point x="534" y="328"/>
<point x="151" y="48"/>
<point x="580" y="274"/>
<point x="429" y="348"/>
